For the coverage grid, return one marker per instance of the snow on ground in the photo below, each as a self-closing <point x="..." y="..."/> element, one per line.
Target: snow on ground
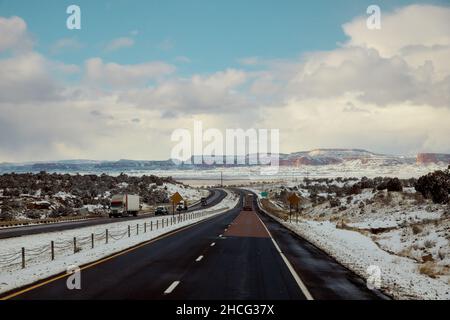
<point x="406" y="237"/>
<point x="399" y="276"/>
<point x="254" y="173"/>
<point x="63" y="195"/>
<point x="187" y="192"/>
<point x="40" y="266"/>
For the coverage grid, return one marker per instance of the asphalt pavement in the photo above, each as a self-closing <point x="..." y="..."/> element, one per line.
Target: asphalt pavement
<point x="237" y="255"/>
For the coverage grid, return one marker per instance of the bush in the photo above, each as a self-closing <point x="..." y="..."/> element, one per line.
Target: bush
<point x="435" y="185"/>
<point x="394" y="185"/>
<point x="416" y="229"/>
<point x="335" y="203"/>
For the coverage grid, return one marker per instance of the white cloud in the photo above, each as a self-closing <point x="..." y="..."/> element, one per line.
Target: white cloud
<point x="182" y="59"/>
<point x="216" y="93"/>
<point x="387" y="91"/>
<point x="166" y="45"/>
<point x="14" y="34"/>
<point x="250" y="61"/>
<point x="119" y="43"/>
<point x="64" y="44"/>
<point x="26" y="77"/>
<point x="117" y="75"/>
<point x="415" y="25"/>
<point x="328" y="123"/>
<point x="417" y="33"/>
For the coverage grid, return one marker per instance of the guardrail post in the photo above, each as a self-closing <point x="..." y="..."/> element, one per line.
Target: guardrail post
<point x="157" y="222"/>
<point x="23" y="258"/>
<point x="92" y="240"/>
<point x="52" y="249"/>
<point x="129" y="231"/>
<point x="151" y="225"/>
<point x="145" y="227"/>
<point x="74" y="245"/>
<point x="137" y="229"/>
<point x="106" y="236"/>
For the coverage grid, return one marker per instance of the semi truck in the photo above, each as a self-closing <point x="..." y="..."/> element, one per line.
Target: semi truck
<point x="248" y="202"/>
<point x="124" y="205"/>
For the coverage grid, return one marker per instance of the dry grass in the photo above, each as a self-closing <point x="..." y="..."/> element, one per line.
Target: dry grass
<point x="273" y="209"/>
<point x="430" y="269"/>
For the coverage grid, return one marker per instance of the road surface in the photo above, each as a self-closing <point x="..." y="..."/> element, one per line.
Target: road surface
<point x="230" y="256"/>
<point x="214" y="198"/>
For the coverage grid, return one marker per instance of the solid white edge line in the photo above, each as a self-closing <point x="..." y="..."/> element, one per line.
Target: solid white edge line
<point x="172" y="287"/>
<point x="297" y="278"/>
<point x="199" y="258"/>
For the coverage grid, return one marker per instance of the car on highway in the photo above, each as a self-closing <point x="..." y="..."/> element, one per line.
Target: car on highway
<point x="161" y="211"/>
<point x="203" y="202"/>
<point x="182" y="206"/>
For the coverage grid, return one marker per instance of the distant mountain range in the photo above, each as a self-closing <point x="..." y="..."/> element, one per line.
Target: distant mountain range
<point x="315" y="157"/>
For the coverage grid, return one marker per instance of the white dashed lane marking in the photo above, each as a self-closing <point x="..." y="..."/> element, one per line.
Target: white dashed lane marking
<point x="172" y="287"/>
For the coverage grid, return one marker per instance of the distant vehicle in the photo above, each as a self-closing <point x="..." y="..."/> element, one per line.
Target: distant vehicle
<point x="203" y="202"/>
<point x="161" y="211"/>
<point x="124" y="205"/>
<point x="248" y="202"/>
<point x="182" y="206"/>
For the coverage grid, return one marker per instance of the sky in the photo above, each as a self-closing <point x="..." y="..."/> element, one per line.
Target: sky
<point x="138" y="70"/>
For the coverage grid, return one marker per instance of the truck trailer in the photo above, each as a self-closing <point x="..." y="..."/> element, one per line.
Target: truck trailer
<point x="124" y="205"/>
<point x="248" y="202"/>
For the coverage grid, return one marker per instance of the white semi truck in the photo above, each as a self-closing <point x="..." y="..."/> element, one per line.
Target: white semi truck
<point x="124" y="205"/>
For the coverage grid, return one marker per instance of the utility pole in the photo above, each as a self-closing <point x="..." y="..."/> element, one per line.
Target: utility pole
<point x="221" y="179"/>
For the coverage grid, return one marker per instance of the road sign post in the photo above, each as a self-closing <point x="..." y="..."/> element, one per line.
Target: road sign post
<point x="294" y="200"/>
<point x="175" y="198"/>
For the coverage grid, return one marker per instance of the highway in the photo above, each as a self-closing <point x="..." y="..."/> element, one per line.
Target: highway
<point x="214" y="198"/>
<point x="231" y="256"/>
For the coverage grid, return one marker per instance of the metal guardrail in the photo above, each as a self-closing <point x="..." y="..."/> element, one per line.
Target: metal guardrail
<point x="21" y="223"/>
<point x="24" y="257"/>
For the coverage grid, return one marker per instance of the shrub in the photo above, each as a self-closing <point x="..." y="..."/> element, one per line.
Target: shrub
<point x="416" y="229"/>
<point x="394" y="185"/>
<point x="335" y="203"/>
<point x="429" y="244"/>
<point x="435" y="185"/>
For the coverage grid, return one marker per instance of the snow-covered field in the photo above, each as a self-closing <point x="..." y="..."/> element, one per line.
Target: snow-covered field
<point x="354" y="168"/>
<point x="345" y="169"/>
<point x="406" y="237"/>
<point x="190" y="194"/>
<point x="39" y="264"/>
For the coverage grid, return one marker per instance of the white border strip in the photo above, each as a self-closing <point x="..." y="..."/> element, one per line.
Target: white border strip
<point x="297" y="278"/>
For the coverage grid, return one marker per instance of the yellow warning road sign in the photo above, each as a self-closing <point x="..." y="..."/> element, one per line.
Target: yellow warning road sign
<point x="176" y="198"/>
